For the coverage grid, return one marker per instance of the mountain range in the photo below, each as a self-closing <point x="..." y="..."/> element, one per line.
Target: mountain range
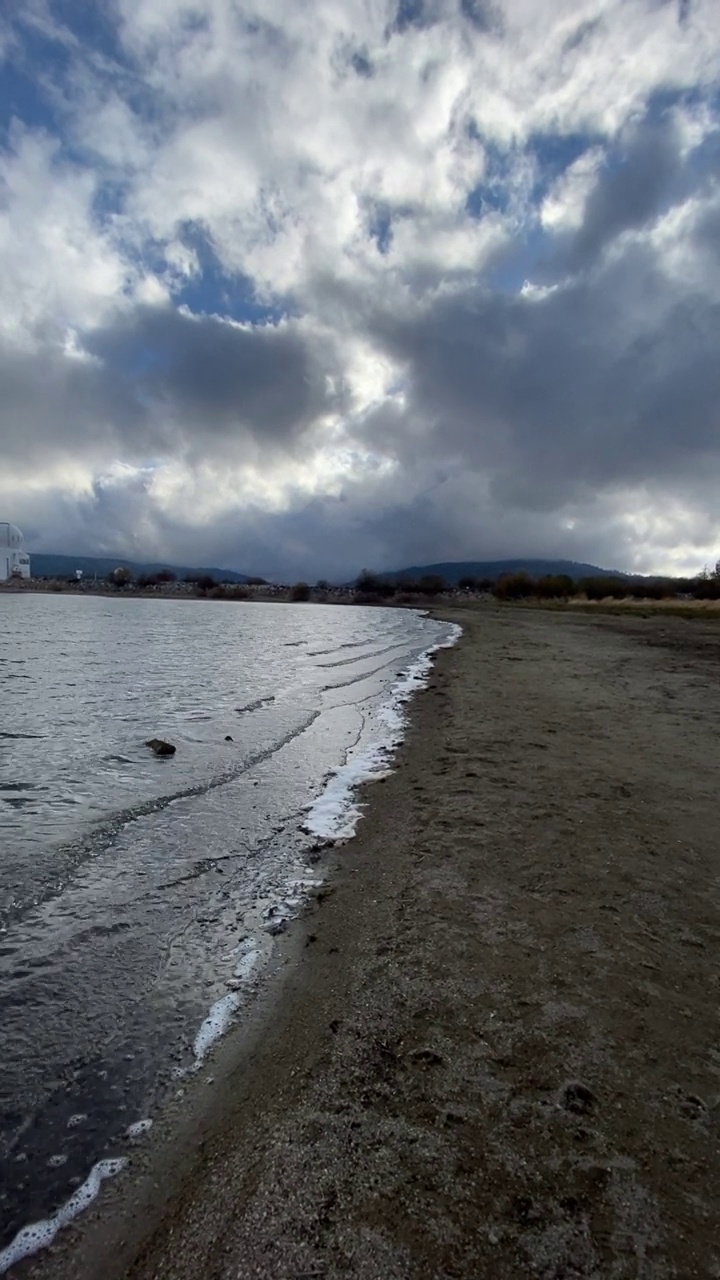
<point x="453" y="571"/>
<point x="51" y="566"/>
<point x="62" y="566"/>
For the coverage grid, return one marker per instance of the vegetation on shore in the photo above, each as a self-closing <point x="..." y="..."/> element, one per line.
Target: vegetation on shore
<point x="520" y="588"/>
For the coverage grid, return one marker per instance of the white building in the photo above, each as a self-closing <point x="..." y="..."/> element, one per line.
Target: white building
<point x="14" y="562"/>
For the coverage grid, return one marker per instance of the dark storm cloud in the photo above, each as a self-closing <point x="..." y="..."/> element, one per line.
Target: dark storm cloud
<point x="707" y="232"/>
<point x="631" y="188"/>
<point x="216" y="378"/>
<point x="595" y="385"/>
<point x="160" y="380"/>
<point x="51" y="404"/>
<point x="608" y="380"/>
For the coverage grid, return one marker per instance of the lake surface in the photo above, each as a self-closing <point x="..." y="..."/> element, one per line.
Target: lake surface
<point x="139" y="896"/>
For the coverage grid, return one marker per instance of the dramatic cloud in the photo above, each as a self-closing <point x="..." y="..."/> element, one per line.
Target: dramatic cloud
<point x="298" y="288"/>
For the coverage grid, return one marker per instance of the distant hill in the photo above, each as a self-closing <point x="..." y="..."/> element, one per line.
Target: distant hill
<point x="453" y="571"/>
<point x="47" y="566"/>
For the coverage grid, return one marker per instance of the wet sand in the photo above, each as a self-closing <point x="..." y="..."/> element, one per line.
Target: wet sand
<point x="492" y="1044"/>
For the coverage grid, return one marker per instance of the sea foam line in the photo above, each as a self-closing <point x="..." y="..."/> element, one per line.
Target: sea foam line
<point x="39" y="1235"/>
<point x="335" y="814"/>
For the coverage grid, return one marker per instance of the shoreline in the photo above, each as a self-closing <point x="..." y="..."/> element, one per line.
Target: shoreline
<point x="463" y="1062"/>
<point x="331" y="813"/>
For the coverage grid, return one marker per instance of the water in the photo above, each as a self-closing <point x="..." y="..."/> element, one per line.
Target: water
<point x="140" y="895"/>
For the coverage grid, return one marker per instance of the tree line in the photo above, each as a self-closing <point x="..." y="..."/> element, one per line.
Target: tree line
<point x="370" y="587"/>
<point x="521" y="586"/>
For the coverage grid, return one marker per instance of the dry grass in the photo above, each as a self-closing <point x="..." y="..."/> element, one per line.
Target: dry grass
<point x="705" y="609"/>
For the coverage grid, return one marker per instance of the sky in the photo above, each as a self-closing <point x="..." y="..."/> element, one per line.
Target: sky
<point x="301" y="288"/>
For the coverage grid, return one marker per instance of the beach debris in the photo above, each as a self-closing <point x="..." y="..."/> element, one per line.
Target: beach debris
<point x="229" y="737"/>
<point x="427" y="1057"/>
<point x="692" y="1106"/>
<point x="576" y="1097"/>
<point x="160" y="747"/>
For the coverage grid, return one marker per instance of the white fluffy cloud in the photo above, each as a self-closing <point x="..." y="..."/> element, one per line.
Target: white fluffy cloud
<point x="298" y="287"/>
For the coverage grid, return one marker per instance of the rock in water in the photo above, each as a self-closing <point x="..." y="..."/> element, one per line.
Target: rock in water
<point x="160" y="747"/>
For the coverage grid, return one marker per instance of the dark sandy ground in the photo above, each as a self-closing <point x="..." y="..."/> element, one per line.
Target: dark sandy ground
<point x="494" y="1044"/>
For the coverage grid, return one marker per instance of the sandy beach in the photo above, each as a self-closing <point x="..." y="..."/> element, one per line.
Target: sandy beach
<point x="491" y="1045"/>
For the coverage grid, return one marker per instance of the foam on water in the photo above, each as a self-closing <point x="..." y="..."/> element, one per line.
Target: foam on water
<point x="246" y="964"/>
<point x="39" y="1235"/>
<point x="215" y="1025"/>
<point x="138" y="1129"/>
<point x="335" y="814"/>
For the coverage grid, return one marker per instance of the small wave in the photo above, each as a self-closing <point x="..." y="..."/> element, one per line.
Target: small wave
<point x="107" y="831"/>
<point x="372" y="653"/>
<point x="348" y="644"/>
<point x="356" y="679"/>
<point x="255" y="706"/>
<point x="201" y="868"/>
<point x="5" y="734"/>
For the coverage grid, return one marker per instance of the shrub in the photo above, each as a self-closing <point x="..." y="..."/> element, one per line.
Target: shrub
<point x="605" y="588"/>
<point x="706" y="588"/>
<point x="432" y="584"/>
<point x="429" y="585"/>
<point x="468" y="583"/>
<point x="513" y="586"/>
<point x="300" y="592"/>
<point x="651" y="590"/>
<point x="554" y="586"/>
<point x="371" y="584"/>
